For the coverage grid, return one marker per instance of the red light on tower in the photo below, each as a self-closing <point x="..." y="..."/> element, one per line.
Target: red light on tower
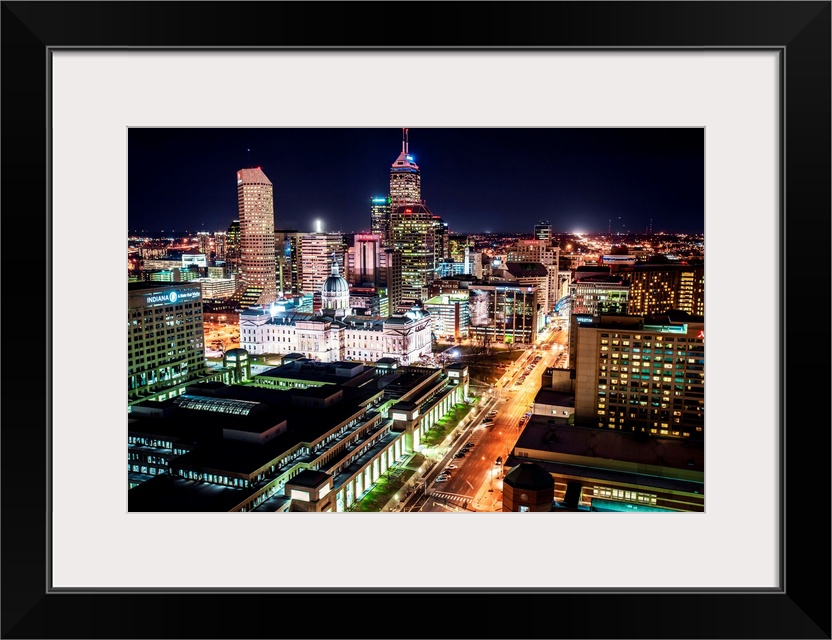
<point x="408" y="210"/>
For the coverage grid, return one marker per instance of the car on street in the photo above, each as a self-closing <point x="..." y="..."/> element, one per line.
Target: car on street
<point x="440" y="479"/>
<point x="459" y="455"/>
<point x="451" y="466"/>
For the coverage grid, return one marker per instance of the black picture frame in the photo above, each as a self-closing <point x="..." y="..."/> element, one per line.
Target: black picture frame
<point x="800" y="31"/>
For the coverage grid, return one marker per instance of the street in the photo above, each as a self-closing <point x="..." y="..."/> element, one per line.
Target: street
<point x="476" y="483"/>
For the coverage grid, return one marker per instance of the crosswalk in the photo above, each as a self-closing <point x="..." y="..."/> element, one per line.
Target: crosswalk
<point x="458" y="498"/>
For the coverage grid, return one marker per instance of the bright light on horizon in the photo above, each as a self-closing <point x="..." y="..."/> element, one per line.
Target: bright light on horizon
<point x="318" y="226"/>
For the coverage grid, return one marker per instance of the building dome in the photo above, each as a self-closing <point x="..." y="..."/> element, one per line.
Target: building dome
<point x="335" y="294"/>
<point x="335" y="284"/>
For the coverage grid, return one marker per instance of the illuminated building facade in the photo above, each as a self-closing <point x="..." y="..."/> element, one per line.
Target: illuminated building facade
<point x="287" y="250"/>
<point x="403" y="337"/>
<point x="413" y="233"/>
<point x="540" y="250"/>
<point x="662" y="288"/>
<point x="636" y="376"/>
<point x="380" y="218"/>
<point x="606" y="470"/>
<point x="315" y="260"/>
<point x="597" y="294"/>
<point x="532" y="274"/>
<point x="255" y="206"/>
<point x="232" y="247"/>
<point x="543" y="231"/>
<point x="505" y="312"/>
<point x="405" y="178"/>
<point x="363" y="259"/>
<point x="220" y="238"/>
<point x="204" y="243"/>
<point x="450" y="314"/>
<point x="216" y="288"/>
<point x="306" y="436"/>
<point x="458" y="247"/>
<point x="390" y="276"/>
<point x="165" y="339"/>
<point x="441" y="249"/>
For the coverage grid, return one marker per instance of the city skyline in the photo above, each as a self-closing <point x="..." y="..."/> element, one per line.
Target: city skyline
<point x="497" y="180"/>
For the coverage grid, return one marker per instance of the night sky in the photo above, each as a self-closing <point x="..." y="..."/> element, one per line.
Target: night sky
<point x="478" y="180"/>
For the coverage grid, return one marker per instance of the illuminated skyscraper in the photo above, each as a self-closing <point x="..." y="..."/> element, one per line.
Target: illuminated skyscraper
<point x="413" y="232"/>
<point x="316" y="251"/>
<point x="363" y="260"/>
<point x="255" y="205"/>
<point x="380" y="218"/>
<point x="405" y="178"/>
<point x="232" y="248"/>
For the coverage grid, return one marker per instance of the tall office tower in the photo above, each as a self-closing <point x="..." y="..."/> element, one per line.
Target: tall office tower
<point x="286" y="247"/>
<point x="232" y="248"/>
<point x="543" y="231"/>
<point x="658" y="288"/>
<point x="380" y="218"/>
<point x="315" y="264"/>
<point x="220" y="240"/>
<point x="204" y="244"/>
<point x="641" y="375"/>
<point x="160" y="358"/>
<point x="363" y="260"/>
<point x="390" y="276"/>
<point x="255" y="204"/>
<point x="413" y="232"/>
<point x="441" y="249"/>
<point x="405" y="178"/>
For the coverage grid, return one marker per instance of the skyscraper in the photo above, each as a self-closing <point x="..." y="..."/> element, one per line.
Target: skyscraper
<point x="413" y="228"/>
<point x="405" y="178"/>
<point x="363" y="260"/>
<point x="316" y="251"/>
<point x="232" y="248"/>
<point x="380" y="218"/>
<point x="413" y="232"/>
<point x="255" y="205"/>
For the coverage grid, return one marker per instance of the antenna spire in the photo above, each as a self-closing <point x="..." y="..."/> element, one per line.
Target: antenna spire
<point x="406" y="142"/>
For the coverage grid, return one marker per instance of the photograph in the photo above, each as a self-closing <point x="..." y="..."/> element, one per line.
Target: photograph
<point x="417" y="320"/>
<point x="393" y="261"/>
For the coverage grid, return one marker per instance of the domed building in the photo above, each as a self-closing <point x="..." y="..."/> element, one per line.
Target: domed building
<point x="335" y="294"/>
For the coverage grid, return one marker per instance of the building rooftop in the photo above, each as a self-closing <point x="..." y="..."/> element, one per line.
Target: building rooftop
<point x="527" y="269"/>
<point x="555" y="398"/>
<point x="590" y="443"/>
<point x="170" y="493"/>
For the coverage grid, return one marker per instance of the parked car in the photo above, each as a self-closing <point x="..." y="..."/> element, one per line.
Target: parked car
<point x="441" y="480"/>
<point x="451" y="466"/>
